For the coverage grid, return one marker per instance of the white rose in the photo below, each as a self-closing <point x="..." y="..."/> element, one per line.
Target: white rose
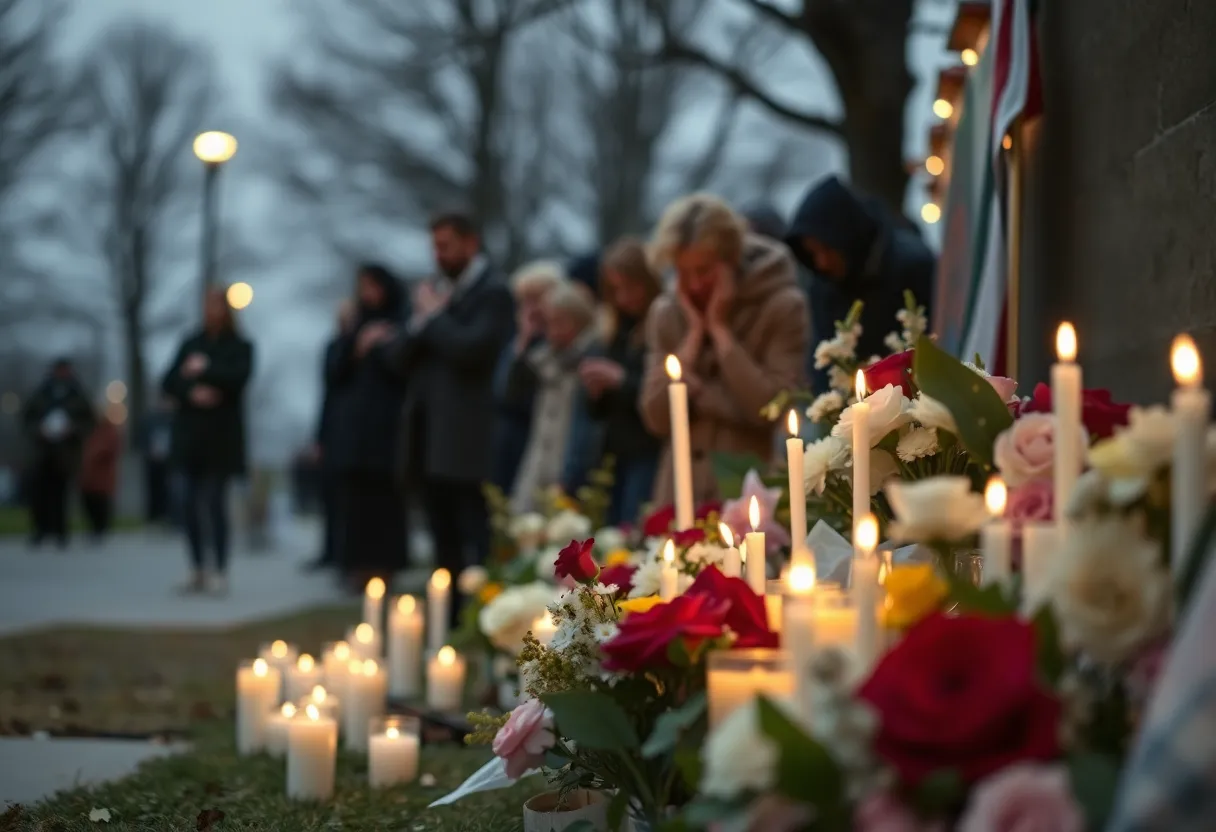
<point x="930" y="413"/>
<point x="609" y="539"/>
<point x="646" y="579"/>
<point x="510" y="615"/>
<point x="738" y="756"/>
<point x="935" y="509"/>
<point x="917" y="444"/>
<point x="1110" y="592"/>
<point x="472" y="579"/>
<point x="1140" y="449"/>
<point x="825" y="405"/>
<point x="821" y="458"/>
<point x="527" y="530"/>
<point x="566" y="526"/>
<point x="888" y="411"/>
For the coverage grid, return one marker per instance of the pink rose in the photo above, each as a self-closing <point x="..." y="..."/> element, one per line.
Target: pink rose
<point x="1022" y="798"/>
<point x="884" y="812"/>
<point x="523" y="741"/>
<point x="1031" y="502"/>
<point x="1026" y="451"/>
<point x="1004" y="387"/>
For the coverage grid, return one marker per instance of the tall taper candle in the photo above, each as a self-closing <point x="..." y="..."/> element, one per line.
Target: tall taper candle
<point x="1188" y="492"/>
<point x="438" y="603"/>
<point x="754" y="543"/>
<point x="732" y="564"/>
<point x="1066" y="404"/>
<point x="681" y="444"/>
<point x="996" y="540"/>
<point x="863" y="586"/>
<point x="794" y="450"/>
<point x="861" y="452"/>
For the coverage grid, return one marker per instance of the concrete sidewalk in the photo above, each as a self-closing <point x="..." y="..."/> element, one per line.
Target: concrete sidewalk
<point x="32" y="770"/>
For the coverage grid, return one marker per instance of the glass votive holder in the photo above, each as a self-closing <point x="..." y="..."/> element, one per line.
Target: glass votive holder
<point x="393" y="746"/>
<point x="735" y="677"/>
<point x="774" y="591"/>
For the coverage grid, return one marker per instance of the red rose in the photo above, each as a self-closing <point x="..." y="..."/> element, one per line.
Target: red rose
<point x="658" y="522"/>
<point x="575" y="562"/>
<point x="621" y="575"/>
<point x="643" y="637"/>
<point x="961" y="693"/>
<point x="1099" y="414"/>
<point x="687" y="537"/>
<point x="895" y="370"/>
<point x="747" y="616"/>
<point x="709" y="507"/>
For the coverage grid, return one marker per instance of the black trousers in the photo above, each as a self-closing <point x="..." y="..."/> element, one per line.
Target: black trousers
<point x="456" y="515"/>
<point x="205" y="503"/>
<point x="98" y="511"/>
<point x="156" y="486"/>
<point x="49" y="501"/>
<point x="331" y="489"/>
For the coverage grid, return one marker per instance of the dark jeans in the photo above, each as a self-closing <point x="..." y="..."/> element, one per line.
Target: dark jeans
<point x="98" y="510"/>
<point x="49" y="501"/>
<point x="330" y="505"/>
<point x="632" y="488"/>
<point x="205" y="501"/>
<point x="456" y="514"/>
<point x="156" y="486"/>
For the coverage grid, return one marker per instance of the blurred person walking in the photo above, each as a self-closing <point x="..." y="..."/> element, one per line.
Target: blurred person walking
<point x="57" y="419"/>
<point x="207" y="381"/>
<point x="99" y="475"/>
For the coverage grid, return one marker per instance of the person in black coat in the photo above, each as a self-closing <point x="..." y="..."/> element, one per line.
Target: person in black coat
<point x="613" y="381"/>
<point x="449" y="352"/>
<point x="207" y="380"/>
<point x="372" y="536"/>
<point x="57" y="419"/>
<point x="856" y="251"/>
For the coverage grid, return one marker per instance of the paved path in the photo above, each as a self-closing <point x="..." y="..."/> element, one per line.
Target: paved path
<point x="32" y="770"/>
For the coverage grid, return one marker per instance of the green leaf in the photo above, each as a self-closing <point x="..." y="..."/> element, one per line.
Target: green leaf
<point x="977" y="409"/>
<point x="593" y="720"/>
<point x="1095" y="779"/>
<point x="940" y="792"/>
<point x="688" y="761"/>
<point x="1048" y="652"/>
<point x="805" y="770"/>
<point x="990" y="600"/>
<point x="617" y="809"/>
<point x="671" y="726"/>
<point x="730" y="469"/>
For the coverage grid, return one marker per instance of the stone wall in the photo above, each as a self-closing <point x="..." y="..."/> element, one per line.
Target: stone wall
<point x="1121" y="202"/>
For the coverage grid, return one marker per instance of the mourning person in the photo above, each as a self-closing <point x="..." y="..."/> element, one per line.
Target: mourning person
<point x="855" y="251"/>
<point x="207" y="381"/>
<point x="449" y="352"/>
<point x="99" y="475"/>
<point x="737" y="322"/>
<point x="57" y="419"/>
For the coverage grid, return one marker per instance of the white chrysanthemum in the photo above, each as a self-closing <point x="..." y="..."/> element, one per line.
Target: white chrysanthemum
<point x="930" y="413"/>
<point x="566" y="526"/>
<point x="527" y="530"/>
<point x="838" y="348"/>
<point x="1110" y="591"/>
<point x="472" y="579"/>
<point x="888" y="411"/>
<point x="701" y="555"/>
<point x="841" y="380"/>
<point x="605" y="589"/>
<point x="646" y="579"/>
<point x="820" y="459"/>
<point x="917" y="443"/>
<point x="938" y="509"/>
<point x="510" y="614"/>
<point x="609" y="539"/>
<point x="825" y="405"/>
<point x="738" y="756"/>
<point x="604" y="631"/>
<point x="894" y="342"/>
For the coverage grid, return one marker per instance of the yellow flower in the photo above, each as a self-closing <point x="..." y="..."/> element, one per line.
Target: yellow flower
<point x="489" y="592"/>
<point x="1114" y="458"/>
<point x="643" y="604"/>
<point x="564" y="502"/>
<point x="913" y="591"/>
<point x="618" y="557"/>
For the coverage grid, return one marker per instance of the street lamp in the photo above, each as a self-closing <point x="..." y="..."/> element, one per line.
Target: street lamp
<point x="213" y="149"/>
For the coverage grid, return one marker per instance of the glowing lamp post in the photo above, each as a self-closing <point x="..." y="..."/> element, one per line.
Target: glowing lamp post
<point x="213" y="149"/>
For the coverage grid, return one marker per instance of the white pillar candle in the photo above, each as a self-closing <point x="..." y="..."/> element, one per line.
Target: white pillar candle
<point x="681" y="444"/>
<point x="669" y="577"/>
<point x="438" y="608"/>
<point x="774" y="600"/>
<point x="1192" y="406"/>
<point x="861" y="451"/>
<point x="327" y="703"/>
<point x="753" y="543"/>
<point x="257" y="694"/>
<point x="736" y="677"/>
<point x="863" y="588"/>
<point x="312" y="751"/>
<point x="836" y="619"/>
<point x="1039" y="544"/>
<point x="1066" y="404"/>
<point x="405" y="649"/>
<point x="302" y="677"/>
<point x="364" y="641"/>
<point x="276" y="729"/>
<point x="334" y="658"/>
<point x="445" y="680"/>
<point x="544" y="629"/>
<point x="794" y="450"/>
<point x="798" y="632"/>
<point x="392" y="752"/>
<point x="281" y="656"/>
<point x="732" y="564"/>
<point x="373" y="603"/>
<point x="366" y="691"/>
<point x="996" y="538"/>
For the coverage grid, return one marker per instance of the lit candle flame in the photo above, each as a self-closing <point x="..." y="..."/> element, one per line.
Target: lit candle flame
<point x="406" y="604"/>
<point x="447" y="656"/>
<point x="996" y="495"/>
<point x="669" y="552"/>
<point x="1185" y="362"/>
<point x="753" y="513"/>
<point x="672" y="365"/>
<point x="365" y="633"/>
<point x="727" y="536"/>
<point x="375" y="589"/>
<point x="278" y="649"/>
<point x="866" y="534"/>
<point x="260" y="668"/>
<point x="441" y="579"/>
<point x="861" y="385"/>
<point x="1066" y="342"/>
<point x="319" y="694"/>
<point x="288" y="710"/>
<point x="305" y="663"/>
<point x="801" y="578"/>
<point x="341" y="651"/>
<point x="312" y="712"/>
<point x="391" y="732"/>
<point x="791" y="423"/>
<point x="370" y="668"/>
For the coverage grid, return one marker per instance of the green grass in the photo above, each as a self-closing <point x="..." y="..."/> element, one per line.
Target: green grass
<point x="15" y="522"/>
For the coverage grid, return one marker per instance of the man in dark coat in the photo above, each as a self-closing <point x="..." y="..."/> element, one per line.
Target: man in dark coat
<point x="856" y="251"/>
<point x="57" y="419"/>
<point x="448" y="353"/>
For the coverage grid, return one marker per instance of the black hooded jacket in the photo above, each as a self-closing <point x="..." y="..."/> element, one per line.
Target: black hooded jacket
<point x="883" y="260"/>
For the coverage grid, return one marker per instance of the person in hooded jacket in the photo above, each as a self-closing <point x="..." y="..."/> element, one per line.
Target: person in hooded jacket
<point x="737" y="321"/>
<point x="372" y="536"/>
<point x="855" y="251"/>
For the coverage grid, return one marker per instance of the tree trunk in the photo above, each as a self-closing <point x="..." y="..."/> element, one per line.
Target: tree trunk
<point x="137" y="381"/>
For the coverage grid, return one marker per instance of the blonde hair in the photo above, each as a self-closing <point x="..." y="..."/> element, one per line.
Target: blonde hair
<point x="697" y="219"/>
<point x="627" y="257"/>
<point x="574" y="300"/>
<point x="537" y="278"/>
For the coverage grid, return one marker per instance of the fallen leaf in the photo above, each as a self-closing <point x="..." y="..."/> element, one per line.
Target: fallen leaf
<point x="207" y="818"/>
<point x="102" y="815"/>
